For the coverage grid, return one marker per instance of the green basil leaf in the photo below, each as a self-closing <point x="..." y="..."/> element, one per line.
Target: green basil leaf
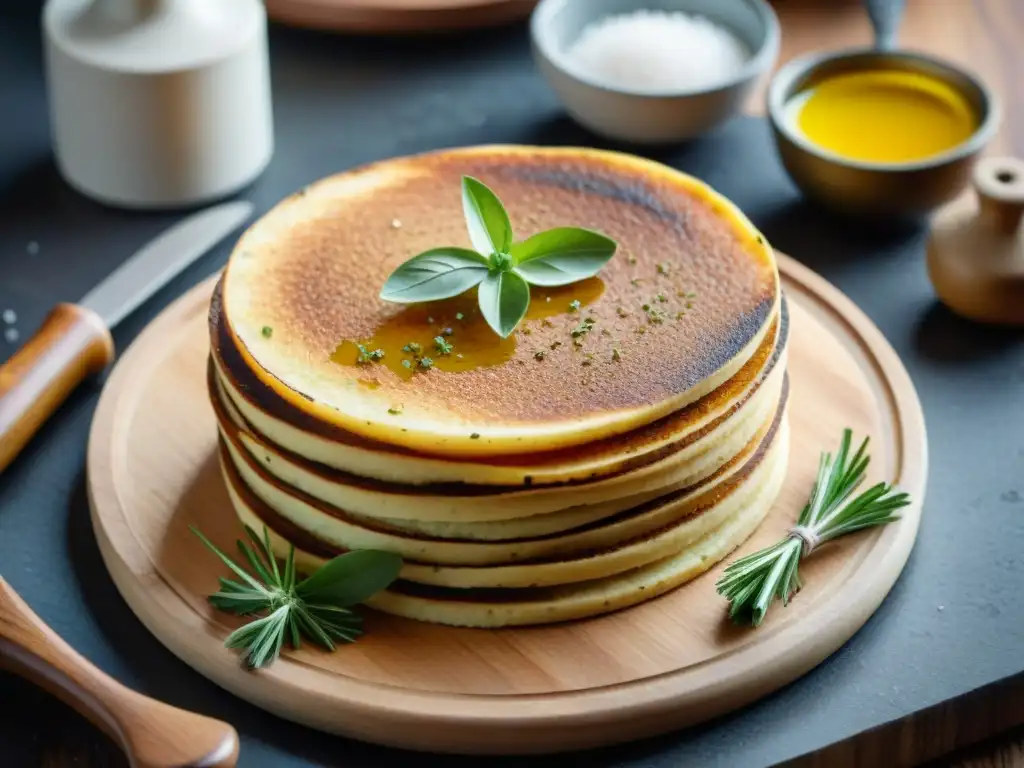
<point x="504" y="298"/>
<point x="562" y="256"/>
<point x="435" y="274"/>
<point x="490" y="231"/>
<point x="351" y="578"/>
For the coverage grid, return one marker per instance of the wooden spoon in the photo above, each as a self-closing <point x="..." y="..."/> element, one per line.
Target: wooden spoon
<point x="152" y="734"/>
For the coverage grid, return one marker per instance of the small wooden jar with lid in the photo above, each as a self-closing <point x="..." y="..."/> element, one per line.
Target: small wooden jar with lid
<point x="976" y="247"/>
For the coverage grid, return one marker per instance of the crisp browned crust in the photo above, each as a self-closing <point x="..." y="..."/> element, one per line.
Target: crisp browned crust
<point x="320" y="275"/>
<point x="264" y="398"/>
<point x="750" y="458"/>
<point x="483" y="492"/>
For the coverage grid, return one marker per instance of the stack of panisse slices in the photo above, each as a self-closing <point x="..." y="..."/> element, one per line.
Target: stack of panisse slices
<point x="628" y="435"/>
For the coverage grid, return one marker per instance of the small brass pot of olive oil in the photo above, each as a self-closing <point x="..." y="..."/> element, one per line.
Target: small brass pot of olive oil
<point x="880" y="133"/>
<point x="976" y="246"/>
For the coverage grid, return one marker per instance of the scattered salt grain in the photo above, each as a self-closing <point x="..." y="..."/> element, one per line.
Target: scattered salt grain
<point x="10" y="317"/>
<point x="10" y="335"/>
<point x="396" y="224"/>
<point x="32" y="248"/>
<point x="658" y="51"/>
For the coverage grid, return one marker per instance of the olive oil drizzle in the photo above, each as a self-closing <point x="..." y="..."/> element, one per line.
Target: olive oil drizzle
<point x="409" y="337"/>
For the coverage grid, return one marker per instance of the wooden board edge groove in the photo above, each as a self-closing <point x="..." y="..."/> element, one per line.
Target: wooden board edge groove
<point x="555" y="722"/>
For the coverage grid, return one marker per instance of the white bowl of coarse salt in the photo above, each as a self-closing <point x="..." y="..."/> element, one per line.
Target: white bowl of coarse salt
<point x="653" y="72"/>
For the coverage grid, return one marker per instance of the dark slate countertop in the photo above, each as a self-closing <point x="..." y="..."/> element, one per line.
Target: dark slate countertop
<point x="953" y="622"/>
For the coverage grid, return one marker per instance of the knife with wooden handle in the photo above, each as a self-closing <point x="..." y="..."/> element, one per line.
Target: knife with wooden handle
<point x="74" y="341"/>
<point x="152" y="734"/>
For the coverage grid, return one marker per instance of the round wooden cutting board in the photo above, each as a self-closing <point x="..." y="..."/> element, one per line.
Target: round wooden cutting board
<point x="662" y="665"/>
<point x="398" y="16"/>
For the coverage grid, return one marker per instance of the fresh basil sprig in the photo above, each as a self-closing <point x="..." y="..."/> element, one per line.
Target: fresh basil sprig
<point x="501" y="269"/>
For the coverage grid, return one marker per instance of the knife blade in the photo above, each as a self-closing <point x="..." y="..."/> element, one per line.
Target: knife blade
<point x="74" y="341"/>
<point x="155" y="264"/>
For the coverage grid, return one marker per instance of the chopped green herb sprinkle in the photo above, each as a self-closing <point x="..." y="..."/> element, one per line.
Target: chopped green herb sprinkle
<point x="556" y="344"/>
<point x="641" y="330"/>
<point x="366" y="356"/>
<point x="395" y="410"/>
<point x="605" y="332"/>
<point x="646" y="307"/>
<point x="680" y="315"/>
<point x="616" y="355"/>
<point x="584" y="327"/>
<point x="635" y="281"/>
<point x="475" y="436"/>
<point x="662" y="298"/>
<point x="458" y="356"/>
<point x="406" y="364"/>
<point x="527" y="331"/>
<point x="267" y="331"/>
<point x="622" y="312"/>
<point x="574" y="305"/>
<point x="539" y="354"/>
<point x="631" y="259"/>
<point x="459" y="315"/>
<point x="412" y="348"/>
<point x="689" y="305"/>
<point x="655" y="316"/>
<point x="691" y="294"/>
<point x="547" y="323"/>
<point x="426" y="362"/>
<point x="663" y="268"/>
<point x="442" y="346"/>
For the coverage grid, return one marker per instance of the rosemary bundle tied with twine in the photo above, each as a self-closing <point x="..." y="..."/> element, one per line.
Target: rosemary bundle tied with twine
<point x="753" y="583"/>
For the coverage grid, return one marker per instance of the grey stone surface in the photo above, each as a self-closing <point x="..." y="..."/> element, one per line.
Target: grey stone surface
<point x="953" y="622"/>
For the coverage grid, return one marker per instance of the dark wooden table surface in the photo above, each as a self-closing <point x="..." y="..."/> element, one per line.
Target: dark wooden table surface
<point x="986" y="36"/>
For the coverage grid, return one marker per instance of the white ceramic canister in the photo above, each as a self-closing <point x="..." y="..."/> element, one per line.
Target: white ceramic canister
<point x="158" y="103"/>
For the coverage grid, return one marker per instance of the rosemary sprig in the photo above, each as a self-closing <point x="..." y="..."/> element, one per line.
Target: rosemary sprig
<point x="317" y="608"/>
<point x="753" y="582"/>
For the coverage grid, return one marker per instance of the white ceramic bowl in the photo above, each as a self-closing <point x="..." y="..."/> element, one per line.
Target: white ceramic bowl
<point x="650" y="117"/>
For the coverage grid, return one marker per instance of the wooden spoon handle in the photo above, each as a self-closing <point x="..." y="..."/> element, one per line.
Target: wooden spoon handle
<point x="72" y="343"/>
<point x="152" y="734"/>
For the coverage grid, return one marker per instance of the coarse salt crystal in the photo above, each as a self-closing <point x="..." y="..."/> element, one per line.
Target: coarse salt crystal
<point x="10" y="316"/>
<point x="11" y="335"/>
<point x="658" y="51"/>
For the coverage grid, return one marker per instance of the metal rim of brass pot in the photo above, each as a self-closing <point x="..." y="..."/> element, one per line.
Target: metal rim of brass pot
<point x="798" y="73"/>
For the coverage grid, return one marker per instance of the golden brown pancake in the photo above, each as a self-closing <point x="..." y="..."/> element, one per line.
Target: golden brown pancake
<point x="301" y="290"/>
<point x="297" y="432"/>
<point x="698" y="456"/>
<point x="495" y="608"/>
<point x="328" y="530"/>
